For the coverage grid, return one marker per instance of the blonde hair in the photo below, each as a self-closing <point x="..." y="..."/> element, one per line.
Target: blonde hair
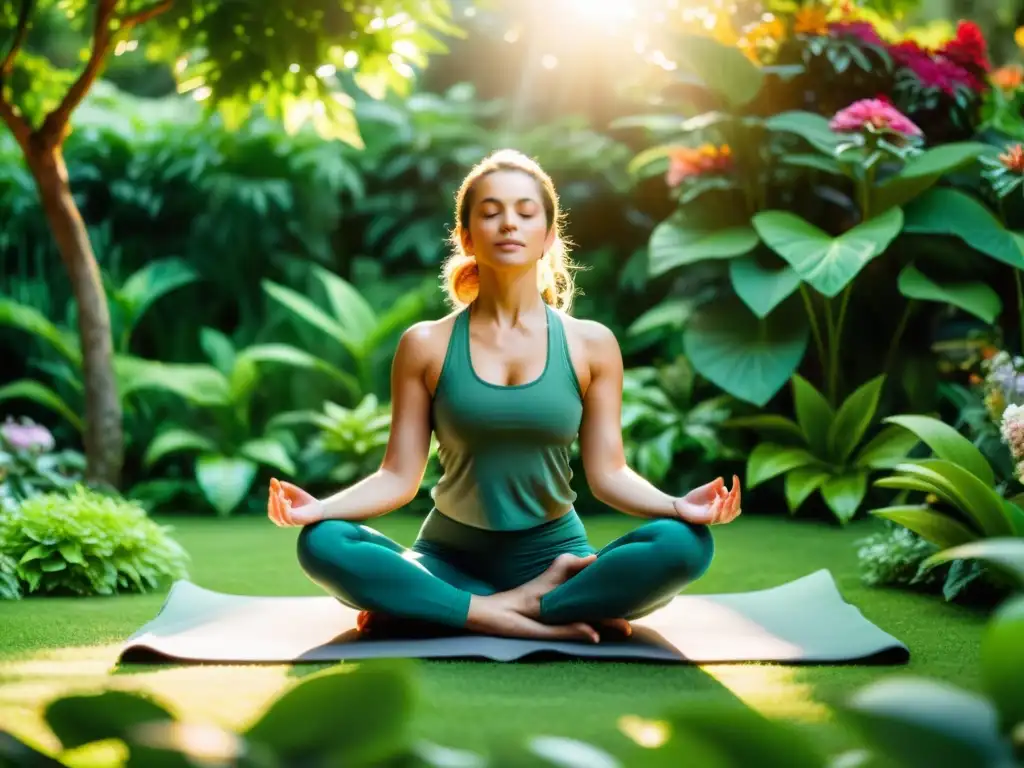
<point x="459" y="271"/>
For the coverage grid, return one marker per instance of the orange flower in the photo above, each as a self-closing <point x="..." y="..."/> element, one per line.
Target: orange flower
<point x="811" y="20"/>
<point x="1008" y="78"/>
<point x="765" y="35"/>
<point x="1013" y="159"/>
<point x="685" y="162"/>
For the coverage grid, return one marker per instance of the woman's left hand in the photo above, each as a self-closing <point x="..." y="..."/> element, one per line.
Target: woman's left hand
<point x="710" y="504"/>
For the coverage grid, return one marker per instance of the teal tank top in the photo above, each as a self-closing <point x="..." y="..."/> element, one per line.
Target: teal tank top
<point x="504" y="450"/>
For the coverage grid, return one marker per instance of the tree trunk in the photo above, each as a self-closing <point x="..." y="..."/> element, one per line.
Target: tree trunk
<point x="104" y="438"/>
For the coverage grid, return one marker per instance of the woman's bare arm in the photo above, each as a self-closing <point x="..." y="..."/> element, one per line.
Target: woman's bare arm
<point x="610" y="479"/>
<point x="398" y="479"/>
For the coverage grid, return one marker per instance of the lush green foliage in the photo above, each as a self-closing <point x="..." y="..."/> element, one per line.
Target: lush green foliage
<point x="88" y="543"/>
<point x="823" y="450"/>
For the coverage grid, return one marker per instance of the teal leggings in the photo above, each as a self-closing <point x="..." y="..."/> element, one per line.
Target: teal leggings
<point x="434" y="579"/>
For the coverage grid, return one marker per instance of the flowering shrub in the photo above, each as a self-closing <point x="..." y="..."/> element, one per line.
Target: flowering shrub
<point x="29" y="465"/>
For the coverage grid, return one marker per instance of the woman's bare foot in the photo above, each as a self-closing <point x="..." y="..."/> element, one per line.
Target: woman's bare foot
<point x="527" y="596"/>
<point x="500" y="615"/>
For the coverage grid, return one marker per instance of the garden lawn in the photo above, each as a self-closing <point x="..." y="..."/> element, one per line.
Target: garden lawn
<point x="50" y="647"/>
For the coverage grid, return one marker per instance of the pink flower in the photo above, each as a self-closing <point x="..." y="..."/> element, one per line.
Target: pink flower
<point x="873" y="113"/>
<point x="861" y="30"/>
<point x="27" y="436"/>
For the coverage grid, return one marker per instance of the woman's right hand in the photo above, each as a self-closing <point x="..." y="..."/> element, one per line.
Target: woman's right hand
<point x="290" y="505"/>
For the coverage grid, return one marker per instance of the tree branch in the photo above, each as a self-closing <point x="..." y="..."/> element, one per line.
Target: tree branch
<point x="141" y="17"/>
<point x="55" y="124"/>
<point x="20" y="32"/>
<point x="8" y="112"/>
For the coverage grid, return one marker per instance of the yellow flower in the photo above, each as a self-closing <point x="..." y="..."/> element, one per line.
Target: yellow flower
<point x="811" y="20"/>
<point x="1018" y="37"/>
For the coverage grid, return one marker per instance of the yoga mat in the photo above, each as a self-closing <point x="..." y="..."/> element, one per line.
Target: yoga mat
<point x="802" y="621"/>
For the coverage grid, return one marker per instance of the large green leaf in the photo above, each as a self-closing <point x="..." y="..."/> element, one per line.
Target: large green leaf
<point x="270" y="452"/>
<point x="854" y="417"/>
<point x="1007" y="553"/>
<point x="33" y="322"/>
<point x="977" y="500"/>
<point x="769" y="424"/>
<point x="769" y="460"/>
<point x="951" y="212"/>
<point x="947" y="444"/>
<point x="801" y="483"/>
<point x="198" y="384"/>
<point x="376" y="700"/>
<point x="762" y="288"/>
<point x="285" y="354"/>
<point x="671" y="313"/>
<point x="812" y="127"/>
<point x="400" y="315"/>
<point x="1002" y="663"/>
<point x="922" y="171"/>
<point x="349" y="307"/>
<point x="722" y="68"/>
<point x="813" y="414"/>
<point x="224" y="480"/>
<point x="176" y="440"/>
<point x="935" y="527"/>
<point x="218" y="348"/>
<point x="751" y="358"/>
<point x="972" y="296"/>
<point x="147" y="285"/>
<point x="827" y="263"/>
<point x="886" y="449"/>
<point x="674" y="244"/>
<point x="40" y="394"/>
<point x="306" y="310"/>
<point x="920" y="723"/>
<point x="844" y="493"/>
<point x="82" y="719"/>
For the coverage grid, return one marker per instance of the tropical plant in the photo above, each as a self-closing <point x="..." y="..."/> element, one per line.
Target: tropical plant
<point x="363" y="333"/>
<point x="87" y="543"/>
<point x="130" y="301"/>
<point x="736" y="177"/>
<point x="349" y="442"/>
<point x="30" y="465"/>
<point x="824" y="449"/>
<point x="222" y="432"/>
<point x="310" y="48"/>
<point x="960" y="503"/>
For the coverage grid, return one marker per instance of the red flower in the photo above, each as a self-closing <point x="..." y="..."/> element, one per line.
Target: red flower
<point x="934" y="71"/>
<point x="968" y="48"/>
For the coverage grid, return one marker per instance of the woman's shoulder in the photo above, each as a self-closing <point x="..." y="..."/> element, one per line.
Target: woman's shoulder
<point x="593" y="335"/>
<point x="427" y="340"/>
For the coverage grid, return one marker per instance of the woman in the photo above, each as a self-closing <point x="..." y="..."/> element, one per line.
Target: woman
<point x="506" y="382"/>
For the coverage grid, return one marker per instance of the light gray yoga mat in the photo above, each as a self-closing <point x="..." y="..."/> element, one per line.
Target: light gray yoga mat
<point x="802" y="621"/>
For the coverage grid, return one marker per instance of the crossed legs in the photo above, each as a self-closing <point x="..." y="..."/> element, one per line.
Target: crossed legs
<point x="631" y="577"/>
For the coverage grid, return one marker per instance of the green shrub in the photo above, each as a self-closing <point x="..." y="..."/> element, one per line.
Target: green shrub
<point x="87" y="543"/>
<point x="893" y="556"/>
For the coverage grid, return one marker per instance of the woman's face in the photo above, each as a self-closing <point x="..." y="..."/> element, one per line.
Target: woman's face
<point x="507" y="224"/>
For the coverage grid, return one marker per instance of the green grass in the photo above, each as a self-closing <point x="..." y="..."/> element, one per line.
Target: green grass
<point x="49" y="647"/>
